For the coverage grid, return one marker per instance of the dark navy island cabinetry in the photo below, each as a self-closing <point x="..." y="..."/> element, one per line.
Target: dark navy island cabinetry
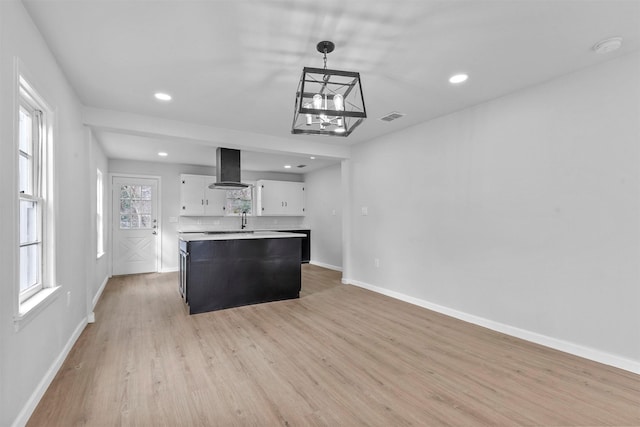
<point x="227" y="270"/>
<point x="306" y="243"/>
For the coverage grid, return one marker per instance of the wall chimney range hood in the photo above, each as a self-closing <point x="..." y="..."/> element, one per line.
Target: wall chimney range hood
<point x="228" y="170"/>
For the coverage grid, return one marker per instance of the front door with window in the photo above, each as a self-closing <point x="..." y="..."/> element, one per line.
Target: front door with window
<point x="135" y="225"/>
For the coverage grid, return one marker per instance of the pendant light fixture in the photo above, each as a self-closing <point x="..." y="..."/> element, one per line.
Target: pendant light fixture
<point x="328" y="102"/>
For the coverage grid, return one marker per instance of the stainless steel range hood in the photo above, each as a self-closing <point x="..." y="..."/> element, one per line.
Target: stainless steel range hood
<point x="228" y="170"/>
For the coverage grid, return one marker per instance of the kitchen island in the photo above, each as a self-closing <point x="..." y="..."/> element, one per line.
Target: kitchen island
<point x="229" y="269"/>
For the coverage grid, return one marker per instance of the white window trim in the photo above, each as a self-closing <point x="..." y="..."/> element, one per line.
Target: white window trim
<point x="28" y="309"/>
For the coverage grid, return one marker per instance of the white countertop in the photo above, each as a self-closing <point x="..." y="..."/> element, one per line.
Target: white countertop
<point x="204" y="229"/>
<point x="217" y="235"/>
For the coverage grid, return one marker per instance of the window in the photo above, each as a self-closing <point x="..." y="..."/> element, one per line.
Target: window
<point x="135" y="207"/>
<point x="33" y="193"/>
<point x="239" y="201"/>
<point x="99" y="213"/>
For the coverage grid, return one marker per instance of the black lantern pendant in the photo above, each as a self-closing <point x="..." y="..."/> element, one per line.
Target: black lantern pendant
<point x="328" y="102"/>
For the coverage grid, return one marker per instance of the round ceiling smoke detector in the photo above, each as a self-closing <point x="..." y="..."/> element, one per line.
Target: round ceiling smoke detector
<point x="608" y="45"/>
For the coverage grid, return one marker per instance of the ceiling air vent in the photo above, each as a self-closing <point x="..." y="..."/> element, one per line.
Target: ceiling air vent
<point x="392" y="116"/>
<point x="302" y="166"/>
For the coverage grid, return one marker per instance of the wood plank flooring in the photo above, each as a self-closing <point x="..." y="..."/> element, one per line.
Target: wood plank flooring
<point x="339" y="355"/>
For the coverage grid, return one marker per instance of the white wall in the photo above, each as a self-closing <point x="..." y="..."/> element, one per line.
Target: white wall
<point x="169" y="174"/>
<point x="30" y="356"/>
<point x="324" y="216"/>
<point x="523" y="211"/>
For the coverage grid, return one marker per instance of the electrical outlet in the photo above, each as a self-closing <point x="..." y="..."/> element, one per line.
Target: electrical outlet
<point x="333" y="212"/>
<point x="68" y="298"/>
<point x="365" y="211"/>
<point x="377" y="262"/>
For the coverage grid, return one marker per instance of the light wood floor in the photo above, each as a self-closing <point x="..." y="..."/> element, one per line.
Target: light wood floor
<point x="339" y="355"/>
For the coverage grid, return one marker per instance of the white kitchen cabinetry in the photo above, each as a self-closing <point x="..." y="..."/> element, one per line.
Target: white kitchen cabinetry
<point x="197" y="199"/>
<point x="280" y="198"/>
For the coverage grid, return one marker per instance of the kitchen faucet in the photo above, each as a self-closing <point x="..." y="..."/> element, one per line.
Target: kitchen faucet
<point x="243" y="220"/>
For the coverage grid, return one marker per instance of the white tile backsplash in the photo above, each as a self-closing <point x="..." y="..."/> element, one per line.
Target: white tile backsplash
<point x="213" y="223"/>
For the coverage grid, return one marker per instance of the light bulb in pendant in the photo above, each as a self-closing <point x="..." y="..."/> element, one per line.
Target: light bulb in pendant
<point x="338" y="102"/>
<point x="309" y="116"/>
<point x="338" y="105"/>
<point x="317" y="101"/>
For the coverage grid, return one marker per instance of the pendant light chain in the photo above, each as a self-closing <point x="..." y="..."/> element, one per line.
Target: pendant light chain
<point x="325" y="78"/>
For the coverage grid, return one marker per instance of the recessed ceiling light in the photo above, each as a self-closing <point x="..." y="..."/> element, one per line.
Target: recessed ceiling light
<point x="162" y="154"/>
<point x="608" y="45"/>
<point x="312" y="157"/>
<point x="458" y="78"/>
<point x="160" y="96"/>
<point x="287" y="166"/>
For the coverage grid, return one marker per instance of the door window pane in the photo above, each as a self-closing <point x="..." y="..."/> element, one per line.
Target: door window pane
<point x="135" y="191"/>
<point x="125" y="192"/>
<point x="125" y="222"/>
<point x="135" y="206"/>
<point x="145" y="221"/>
<point x="141" y="206"/>
<point x="145" y="192"/>
<point x="125" y="206"/>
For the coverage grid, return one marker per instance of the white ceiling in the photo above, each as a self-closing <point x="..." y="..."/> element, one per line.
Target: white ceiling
<point x="235" y="65"/>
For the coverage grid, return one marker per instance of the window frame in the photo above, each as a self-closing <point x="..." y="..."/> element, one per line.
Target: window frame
<point x="99" y="213"/>
<point x="33" y="191"/>
<point x="30" y="301"/>
<point x="252" y="200"/>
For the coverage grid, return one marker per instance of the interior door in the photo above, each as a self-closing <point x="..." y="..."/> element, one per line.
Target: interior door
<point x="135" y="225"/>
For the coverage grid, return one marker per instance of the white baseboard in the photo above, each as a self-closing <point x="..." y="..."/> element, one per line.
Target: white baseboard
<point x="557" y="344"/>
<point x="96" y="298"/>
<point x="30" y="406"/>
<point x="169" y="270"/>
<point x="329" y="266"/>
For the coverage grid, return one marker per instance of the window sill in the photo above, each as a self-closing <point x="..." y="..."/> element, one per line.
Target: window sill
<point x="34" y="305"/>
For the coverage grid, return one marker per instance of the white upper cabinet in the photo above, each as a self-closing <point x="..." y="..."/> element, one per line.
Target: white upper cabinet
<point x="280" y="198"/>
<point x="197" y="199"/>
